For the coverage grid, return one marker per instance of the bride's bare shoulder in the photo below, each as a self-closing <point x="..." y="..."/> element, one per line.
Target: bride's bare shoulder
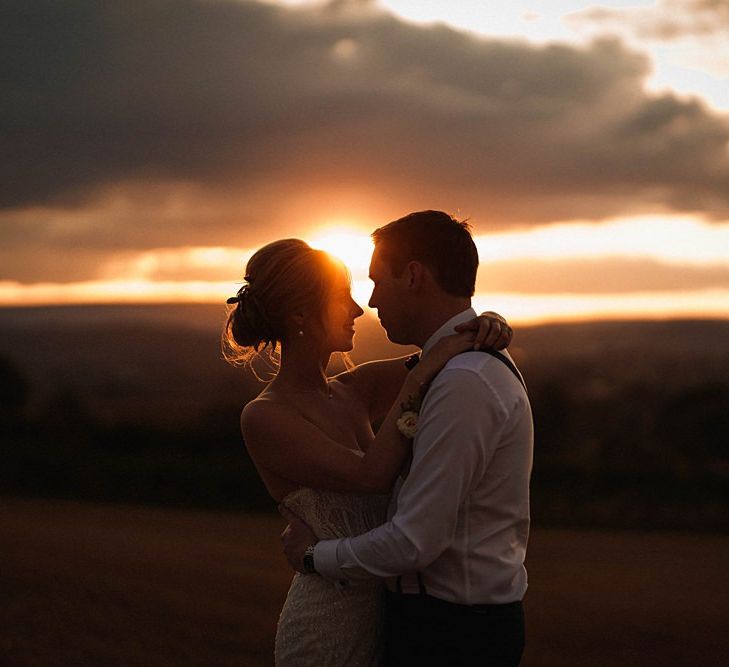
<point x="265" y="406"/>
<point x="264" y="402"/>
<point x="268" y="424"/>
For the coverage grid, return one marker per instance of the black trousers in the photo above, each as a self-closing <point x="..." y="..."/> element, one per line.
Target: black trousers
<point x="423" y="630"/>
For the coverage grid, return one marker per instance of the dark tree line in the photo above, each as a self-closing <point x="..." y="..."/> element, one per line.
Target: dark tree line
<point x="609" y="451"/>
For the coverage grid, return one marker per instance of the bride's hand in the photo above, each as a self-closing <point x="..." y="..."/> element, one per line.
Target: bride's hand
<point x="296" y="537"/>
<point x="491" y="329"/>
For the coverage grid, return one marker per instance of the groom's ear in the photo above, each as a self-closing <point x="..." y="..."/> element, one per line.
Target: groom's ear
<point x="415" y="273"/>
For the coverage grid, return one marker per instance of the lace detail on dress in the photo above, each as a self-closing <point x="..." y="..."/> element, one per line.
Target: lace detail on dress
<point x="322" y="624"/>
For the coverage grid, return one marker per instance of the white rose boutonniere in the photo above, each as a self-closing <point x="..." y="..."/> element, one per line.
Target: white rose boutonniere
<point x="407" y="423"/>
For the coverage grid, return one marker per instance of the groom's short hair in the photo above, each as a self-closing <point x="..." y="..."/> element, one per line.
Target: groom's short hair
<point x="436" y="239"/>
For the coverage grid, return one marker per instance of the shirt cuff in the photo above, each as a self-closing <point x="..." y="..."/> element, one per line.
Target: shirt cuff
<point x="325" y="560"/>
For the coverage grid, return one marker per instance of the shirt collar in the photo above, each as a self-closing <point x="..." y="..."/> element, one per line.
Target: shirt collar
<point x="449" y="327"/>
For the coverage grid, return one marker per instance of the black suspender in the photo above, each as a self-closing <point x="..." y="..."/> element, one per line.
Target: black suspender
<point x="508" y="363"/>
<point x="412" y="360"/>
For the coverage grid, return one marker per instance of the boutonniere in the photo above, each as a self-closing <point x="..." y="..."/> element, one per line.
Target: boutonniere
<point x="407" y="422"/>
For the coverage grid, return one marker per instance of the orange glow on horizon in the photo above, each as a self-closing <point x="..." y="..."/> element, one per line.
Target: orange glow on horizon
<point x="210" y="274"/>
<point x="519" y="308"/>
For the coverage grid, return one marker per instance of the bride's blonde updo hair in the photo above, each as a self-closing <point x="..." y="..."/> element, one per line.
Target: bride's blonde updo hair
<point x="281" y="278"/>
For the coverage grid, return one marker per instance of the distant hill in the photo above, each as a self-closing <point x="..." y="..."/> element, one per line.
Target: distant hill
<point x="153" y="359"/>
<point x="632" y="418"/>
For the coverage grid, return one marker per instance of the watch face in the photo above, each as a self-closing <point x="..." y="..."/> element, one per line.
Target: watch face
<point x="309" y="560"/>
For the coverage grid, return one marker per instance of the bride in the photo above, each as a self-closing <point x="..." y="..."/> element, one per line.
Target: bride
<point x="311" y="437"/>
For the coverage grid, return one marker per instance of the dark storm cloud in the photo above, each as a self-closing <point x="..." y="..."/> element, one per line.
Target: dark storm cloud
<point x="249" y="104"/>
<point x="666" y="20"/>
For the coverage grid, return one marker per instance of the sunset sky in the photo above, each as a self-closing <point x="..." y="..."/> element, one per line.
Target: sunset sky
<point x="149" y="147"/>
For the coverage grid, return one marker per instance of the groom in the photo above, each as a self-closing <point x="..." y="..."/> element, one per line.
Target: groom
<point x="452" y="552"/>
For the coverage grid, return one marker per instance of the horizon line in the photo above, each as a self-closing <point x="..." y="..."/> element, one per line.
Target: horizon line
<point x="535" y="321"/>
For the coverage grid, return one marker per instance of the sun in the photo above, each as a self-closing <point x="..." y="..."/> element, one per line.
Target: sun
<point x="353" y="247"/>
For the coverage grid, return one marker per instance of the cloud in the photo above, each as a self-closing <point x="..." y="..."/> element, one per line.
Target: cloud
<point x="665" y="20"/>
<point x="611" y="275"/>
<point x="189" y="122"/>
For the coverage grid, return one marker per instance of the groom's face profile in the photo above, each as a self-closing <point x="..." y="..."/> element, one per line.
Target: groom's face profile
<point x="390" y="298"/>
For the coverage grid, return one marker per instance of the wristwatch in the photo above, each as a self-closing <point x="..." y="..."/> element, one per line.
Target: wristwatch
<point x="309" y="560"/>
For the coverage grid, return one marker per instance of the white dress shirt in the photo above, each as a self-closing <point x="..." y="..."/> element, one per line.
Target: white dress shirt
<point x="461" y="516"/>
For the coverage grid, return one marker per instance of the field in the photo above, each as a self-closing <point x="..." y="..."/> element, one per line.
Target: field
<point x="103" y="584"/>
<point x="156" y="556"/>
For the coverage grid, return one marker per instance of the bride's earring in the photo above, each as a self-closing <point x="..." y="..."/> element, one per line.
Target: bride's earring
<point x="301" y="333"/>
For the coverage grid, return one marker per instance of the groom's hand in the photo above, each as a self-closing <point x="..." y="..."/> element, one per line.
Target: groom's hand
<point x="296" y="537"/>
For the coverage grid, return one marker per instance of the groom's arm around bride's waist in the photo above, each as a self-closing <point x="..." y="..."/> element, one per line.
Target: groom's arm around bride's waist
<point x="466" y="494"/>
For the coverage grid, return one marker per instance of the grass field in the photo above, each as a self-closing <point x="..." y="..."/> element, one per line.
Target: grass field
<point x="84" y="584"/>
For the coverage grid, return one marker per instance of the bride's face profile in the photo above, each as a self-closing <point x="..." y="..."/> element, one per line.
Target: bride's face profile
<point x="340" y="313"/>
<point x="295" y="295"/>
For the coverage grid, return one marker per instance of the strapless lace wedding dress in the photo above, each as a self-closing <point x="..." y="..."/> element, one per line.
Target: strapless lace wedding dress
<point x="321" y="624"/>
